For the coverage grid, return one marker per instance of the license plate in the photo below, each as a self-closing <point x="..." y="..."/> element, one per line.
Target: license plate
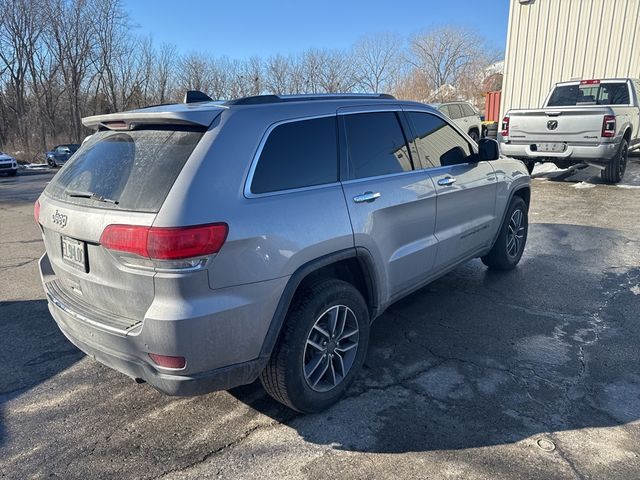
<point x="74" y="252"/>
<point x="551" y="147"/>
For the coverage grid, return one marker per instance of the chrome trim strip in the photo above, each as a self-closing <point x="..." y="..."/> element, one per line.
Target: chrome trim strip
<point x="62" y="306"/>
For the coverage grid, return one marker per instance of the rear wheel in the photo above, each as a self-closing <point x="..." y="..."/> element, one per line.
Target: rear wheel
<point x="321" y="349"/>
<point x="509" y="246"/>
<point x="617" y="165"/>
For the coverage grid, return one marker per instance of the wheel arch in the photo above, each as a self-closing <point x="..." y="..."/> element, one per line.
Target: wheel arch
<point x="522" y="191"/>
<point x="354" y="265"/>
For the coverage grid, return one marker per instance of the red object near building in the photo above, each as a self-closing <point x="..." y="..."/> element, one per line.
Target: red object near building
<point x="492" y="106"/>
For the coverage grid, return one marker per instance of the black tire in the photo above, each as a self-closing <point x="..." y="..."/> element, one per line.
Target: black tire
<point x="51" y="163"/>
<point x="530" y="164"/>
<point x="617" y="165"/>
<point x="502" y="255"/>
<point x="474" y="135"/>
<point x="284" y="376"/>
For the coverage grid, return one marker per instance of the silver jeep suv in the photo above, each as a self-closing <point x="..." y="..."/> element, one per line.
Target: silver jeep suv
<point x="202" y="245"/>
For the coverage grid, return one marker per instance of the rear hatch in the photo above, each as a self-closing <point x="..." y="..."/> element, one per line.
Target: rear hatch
<point x="117" y="177"/>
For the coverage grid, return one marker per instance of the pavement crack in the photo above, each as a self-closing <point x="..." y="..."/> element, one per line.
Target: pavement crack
<point x="563" y="456"/>
<point x="227" y="446"/>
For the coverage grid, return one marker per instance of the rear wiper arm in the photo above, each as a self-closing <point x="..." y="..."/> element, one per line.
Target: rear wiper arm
<point x="91" y="195"/>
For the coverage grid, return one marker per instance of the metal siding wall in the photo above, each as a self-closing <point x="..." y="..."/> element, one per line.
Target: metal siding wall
<point x="549" y="41"/>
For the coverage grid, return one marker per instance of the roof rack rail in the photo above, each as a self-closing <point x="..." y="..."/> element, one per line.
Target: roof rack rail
<point x="263" y="99"/>
<point x="195" y="96"/>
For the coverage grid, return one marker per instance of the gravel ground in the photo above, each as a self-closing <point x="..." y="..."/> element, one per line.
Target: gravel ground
<point x="530" y="374"/>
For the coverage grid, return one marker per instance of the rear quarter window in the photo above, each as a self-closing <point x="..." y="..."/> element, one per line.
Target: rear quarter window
<point x="135" y="168"/>
<point x="467" y="110"/>
<point x="298" y="154"/>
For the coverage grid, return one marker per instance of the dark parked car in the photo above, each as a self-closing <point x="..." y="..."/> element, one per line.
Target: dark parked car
<point x="60" y="154"/>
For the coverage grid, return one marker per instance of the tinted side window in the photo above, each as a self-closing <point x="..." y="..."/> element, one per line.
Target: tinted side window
<point x="298" y="154"/>
<point x="437" y="142"/>
<point x="455" y="111"/>
<point x="467" y="110"/>
<point x="445" y="109"/>
<point x="376" y="145"/>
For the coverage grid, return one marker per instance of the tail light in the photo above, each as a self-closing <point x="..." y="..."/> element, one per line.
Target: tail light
<point x="505" y="127"/>
<point x="36" y="211"/>
<point x="609" y="126"/>
<point x="159" y="243"/>
<point x="167" y="361"/>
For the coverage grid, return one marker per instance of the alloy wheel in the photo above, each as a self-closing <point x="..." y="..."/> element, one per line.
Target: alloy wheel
<point x="515" y="234"/>
<point x="331" y="348"/>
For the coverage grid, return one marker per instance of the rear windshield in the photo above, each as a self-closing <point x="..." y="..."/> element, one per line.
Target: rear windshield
<point x="131" y="170"/>
<point x="590" y="94"/>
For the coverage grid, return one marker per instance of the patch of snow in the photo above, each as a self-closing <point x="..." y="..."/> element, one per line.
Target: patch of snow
<point x="583" y="185"/>
<point x="635" y="290"/>
<point x="36" y="166"/>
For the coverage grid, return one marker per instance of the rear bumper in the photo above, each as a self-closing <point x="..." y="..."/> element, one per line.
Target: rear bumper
<point x="221" y="346"/>
<point x="222" y="378"/>
<point x="596" y="155"/>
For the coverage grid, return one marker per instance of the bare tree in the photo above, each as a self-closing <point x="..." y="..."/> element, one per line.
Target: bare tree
<point x="63" y="59"/>
<point x="278" y="74"/>
<point x="20" y="31"/>
<point x="447" y="55"/>
<point x="377" y="61"/>
<point x="73" y="43"/>
<point x="414" y="85"/>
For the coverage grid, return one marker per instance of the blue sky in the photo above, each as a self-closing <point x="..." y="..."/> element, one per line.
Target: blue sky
<point x="243" y="28"/>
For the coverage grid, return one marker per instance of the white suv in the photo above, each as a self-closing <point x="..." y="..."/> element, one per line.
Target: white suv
<point x="463" y="115"/>
<point x="8" y="164"/>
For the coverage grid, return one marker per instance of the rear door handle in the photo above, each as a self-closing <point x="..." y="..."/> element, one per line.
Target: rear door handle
<point x="446" y="181"/>
<point x="366" y="197"/>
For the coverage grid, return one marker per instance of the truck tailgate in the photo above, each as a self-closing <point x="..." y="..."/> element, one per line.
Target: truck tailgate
<point x="571" y="125"/>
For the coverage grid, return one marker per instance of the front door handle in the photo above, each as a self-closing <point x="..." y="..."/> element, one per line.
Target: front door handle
<point x="366" y="197"/>
<point x="446" y="181"/>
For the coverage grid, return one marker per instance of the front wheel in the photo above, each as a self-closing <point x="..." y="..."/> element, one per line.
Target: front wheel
<point x="474" y="135"/>
<point x="617" y="165"/>
<point x="512" y="238"/>
<point x="322" y="347"/>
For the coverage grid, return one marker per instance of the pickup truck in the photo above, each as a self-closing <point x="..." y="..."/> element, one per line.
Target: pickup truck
<point x="596" y="122"/>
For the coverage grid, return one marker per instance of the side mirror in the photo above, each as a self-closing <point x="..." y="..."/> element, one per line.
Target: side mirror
<point x="488" y="149"/>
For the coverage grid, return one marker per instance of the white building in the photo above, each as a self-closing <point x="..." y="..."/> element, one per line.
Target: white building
<point x="549" y="41"/>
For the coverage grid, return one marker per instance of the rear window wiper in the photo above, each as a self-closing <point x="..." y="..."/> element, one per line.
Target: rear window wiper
<point x="91" y="195"/>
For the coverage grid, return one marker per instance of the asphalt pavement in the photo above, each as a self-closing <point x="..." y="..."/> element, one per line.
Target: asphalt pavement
<point x="533" y="373"/>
